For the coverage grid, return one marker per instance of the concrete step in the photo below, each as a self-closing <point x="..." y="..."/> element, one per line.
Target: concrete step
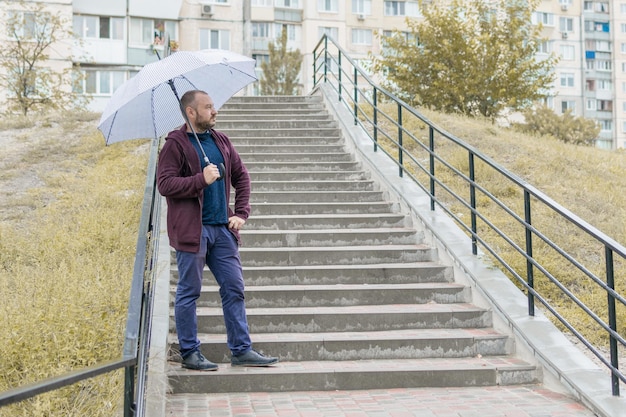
<point x="327" y="221"/>
<point x="340" y="295"/>
<point x="356" y="375"/>
<point x="286" y="101"/>
<point x="361" y="318"/>
<point x="257" y="165"/>
<point x="234" y="115"/>
<point x="237" y="132"/>
<point x="400" y="273"/>
<point x="328" y="237"/>
<point x="269" y="106"/>
<point x="315" y="197"/>
<point x="392" y="344"/>
<point x="356" y="175"/>
<point x="378" y="207"/>
<point x="336" y="255"/>
<point x="274" y="149"/>
<point x="284" y="141"/>
<point x="266" y="124"/>
<point x="294" y="184"/>
<point x="298" y="157"/>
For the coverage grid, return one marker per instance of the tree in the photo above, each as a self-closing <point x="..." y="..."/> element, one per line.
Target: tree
<point x="34" y="82"/>
<point x="475" y="57"/>
<point x="280" y="72"/>
<point x="566" y="127"/>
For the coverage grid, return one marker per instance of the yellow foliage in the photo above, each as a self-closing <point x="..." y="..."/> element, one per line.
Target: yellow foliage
<point x="67" y="247"/>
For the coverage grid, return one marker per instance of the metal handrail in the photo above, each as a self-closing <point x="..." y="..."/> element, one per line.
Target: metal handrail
<point x="363" y="97"/>
<point x="134" y="352"/>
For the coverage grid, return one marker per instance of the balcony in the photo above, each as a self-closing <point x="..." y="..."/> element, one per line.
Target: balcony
<point x="287" y="15"/>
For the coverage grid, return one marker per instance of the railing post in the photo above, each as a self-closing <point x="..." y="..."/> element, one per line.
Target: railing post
<point x="129" y="391"/>
<point x="610" y="282"/>
<point x="400" y="128"/>
<point x="431" y="158"/>
<point x="325" y="58"/>
<point x="314" y="67"/>
<point x="356" y="96"/>
<point x="472" y="175"/>
<point x="375" y="101"/>
<point x="339" y="76"/>
<point x="530" y="275"/>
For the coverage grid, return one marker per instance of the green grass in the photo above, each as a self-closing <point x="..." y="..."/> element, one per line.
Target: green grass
<point x="66" y="259"/>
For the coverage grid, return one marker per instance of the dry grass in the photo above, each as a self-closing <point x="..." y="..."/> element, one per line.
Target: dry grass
<point x="67" y="244"/>
<point x="68" y="230"/>
<point x="587" y="181"/>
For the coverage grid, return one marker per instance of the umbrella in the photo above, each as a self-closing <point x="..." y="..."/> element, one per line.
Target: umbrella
<point x="147" y="105"/>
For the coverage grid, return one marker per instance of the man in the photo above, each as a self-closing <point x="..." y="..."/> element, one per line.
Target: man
<point x="204" y="230"/>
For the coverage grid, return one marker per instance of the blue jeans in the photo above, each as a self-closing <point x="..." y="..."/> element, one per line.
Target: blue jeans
<point x="218" y="250"/>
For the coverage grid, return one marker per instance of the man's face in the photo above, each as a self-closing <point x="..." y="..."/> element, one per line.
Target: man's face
<point x="205" y="113"/>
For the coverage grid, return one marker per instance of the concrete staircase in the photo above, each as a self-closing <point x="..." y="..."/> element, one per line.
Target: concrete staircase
<point x="339" y="283"/>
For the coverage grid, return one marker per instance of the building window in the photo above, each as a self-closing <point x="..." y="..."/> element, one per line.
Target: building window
<point x="288" y="4"/>
<point x="602" y="65"/>
<point x="604" y="105"/>
<point x="361" y="37"/>
<point x="546" y="19"/>
<point x="566" y="24"/>
<point x="544" y="47"/>
<point x="590" y="85"/>
<point x="330" y="31"/>
<point x="362" y="7"/>
<point x="214" y="39"/>
<point x="262" y="3"/>
<point x="605" y="85"/>
<point x="149" y="31"/>
<point x="591" y="104"/>
<point x="567" y="79"/>
<point x="568" y="105"/>
<point x="101" y="83"/>
<point x="606" y="125"/>
<point x="291" y="31"/>
<point x="395" y="8"/>
<point x="259" y="58"/>
<point x="604" y="46"/>
<point x="260" y="30"/>
<point x="327" y="6"/>
<point x="99" y="27"/>
<point x="567" y="52"/>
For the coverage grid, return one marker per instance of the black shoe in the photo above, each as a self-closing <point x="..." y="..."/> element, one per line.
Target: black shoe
<point x="252" y="358"/>
<point x="198" y="362"/>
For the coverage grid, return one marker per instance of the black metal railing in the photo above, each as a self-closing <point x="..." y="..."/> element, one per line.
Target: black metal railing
<point x="134" y="354"/>
<point x="536" y="229"/>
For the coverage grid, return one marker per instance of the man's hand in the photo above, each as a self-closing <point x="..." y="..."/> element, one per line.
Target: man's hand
<point x="211" y="174"/>
<point x="235" y="222"/>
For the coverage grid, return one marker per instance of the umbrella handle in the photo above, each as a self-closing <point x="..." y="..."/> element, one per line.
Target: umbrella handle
<point x="222" y="170"/>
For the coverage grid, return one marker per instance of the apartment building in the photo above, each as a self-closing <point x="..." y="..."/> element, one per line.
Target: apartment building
<point x="120" y="36"/>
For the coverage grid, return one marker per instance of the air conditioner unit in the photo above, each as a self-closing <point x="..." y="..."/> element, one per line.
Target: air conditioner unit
<point x="207" y="10"/>
<point x="361" y="17"/>
<point x="564" y="7"/>
<point x="564" y="35"/>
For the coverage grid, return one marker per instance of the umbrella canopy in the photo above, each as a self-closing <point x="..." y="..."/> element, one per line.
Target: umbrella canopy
<point x="146" y="107"/>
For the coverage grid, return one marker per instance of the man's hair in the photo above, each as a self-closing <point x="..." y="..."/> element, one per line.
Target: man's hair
<point x="188" y="99"/>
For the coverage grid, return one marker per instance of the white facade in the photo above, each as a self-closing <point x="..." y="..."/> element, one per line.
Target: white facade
<point x="119" y="38"/>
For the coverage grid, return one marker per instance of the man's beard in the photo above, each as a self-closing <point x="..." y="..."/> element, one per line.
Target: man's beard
<point x="205" y="125"/>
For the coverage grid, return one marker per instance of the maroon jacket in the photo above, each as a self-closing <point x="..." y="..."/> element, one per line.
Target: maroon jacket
<point x="181" y="182"/>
